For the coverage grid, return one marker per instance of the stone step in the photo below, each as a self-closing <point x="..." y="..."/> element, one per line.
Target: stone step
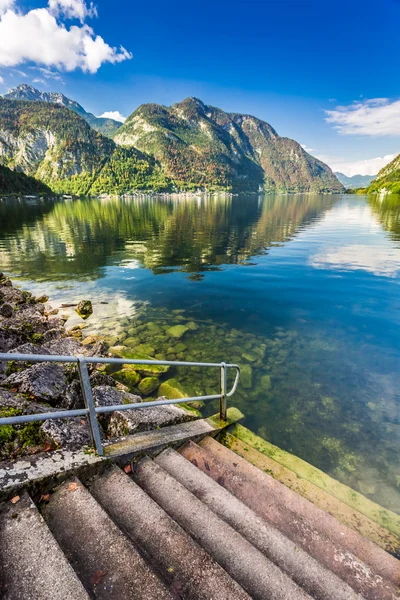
<point x="383" y="516"/>
<point x="382" y="563"/>
<point x="315" y="494"/>
<point x="302" y="568"/>
<point x="32" y="565"/>
<point x="310" y="529"/>
<point x="247" y="565"/>
<point x="192" y="572"/>
<point x="107" y="563"/>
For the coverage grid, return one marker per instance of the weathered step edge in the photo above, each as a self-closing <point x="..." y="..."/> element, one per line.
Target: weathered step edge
<point x="317" y="532"/>
<point x="383" y="516"/>
<point x="40" y="473"/>
<point x="321" y="498"/>
<point x="108" y="564"/>
<point x="245" y="563"/>
<point x="308" y="573"/>
<point x="32" y="565"/>
<point x="191" y="571"/>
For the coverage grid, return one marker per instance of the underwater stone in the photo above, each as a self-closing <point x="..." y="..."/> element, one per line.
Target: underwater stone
<point x="180" y="348"/>
<point x="131" y="341"/>
<point x="265" y="382"/>
<point x="84" y="309"/>
<point x="177" y="331"/>
<point x="148" y="385"/>
<point x="192" y="325"/>
<point x="146" y="349"/>
<point x="246" y="374"/>
<point x="127" y="375"/>
<point x="172" y="390"/>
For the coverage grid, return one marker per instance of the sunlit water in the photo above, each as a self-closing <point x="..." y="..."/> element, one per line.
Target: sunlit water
<point x="303" y="289"/>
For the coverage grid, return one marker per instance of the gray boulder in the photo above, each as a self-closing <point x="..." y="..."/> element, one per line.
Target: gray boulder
<point x="72" y="433"/>
<point x="43" y="381"/>
<point x="105" y="395"/>
<point x="6" y="310"/>
<point x="126" y="422"/>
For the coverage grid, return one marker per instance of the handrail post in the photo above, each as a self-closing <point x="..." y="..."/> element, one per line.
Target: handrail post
<point x="88" y="398"/>
<point x="222" y="402"/>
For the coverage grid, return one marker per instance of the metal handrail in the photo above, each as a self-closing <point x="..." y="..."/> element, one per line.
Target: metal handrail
<point x="91" y="410"/>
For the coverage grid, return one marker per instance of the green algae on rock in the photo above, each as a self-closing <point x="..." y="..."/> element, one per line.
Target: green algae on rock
<point x="172" y="390"/>
<point x="177" y="331"/>
<point x="148" y="385"/>
<point x="84" y="309"/>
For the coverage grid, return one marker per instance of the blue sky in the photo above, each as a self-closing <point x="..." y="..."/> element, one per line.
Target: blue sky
<point x="288" y="62"/>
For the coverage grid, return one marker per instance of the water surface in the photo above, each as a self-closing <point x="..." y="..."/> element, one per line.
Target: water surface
<point x="302" y="289"/>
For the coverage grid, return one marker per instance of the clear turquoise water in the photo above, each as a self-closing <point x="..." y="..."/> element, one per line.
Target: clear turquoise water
<point x="312" y="280"/>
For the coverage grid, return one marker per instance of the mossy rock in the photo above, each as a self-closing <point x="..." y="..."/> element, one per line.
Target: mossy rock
<point x="148" y="370"/>
<point x="84" y="309"/>
<point x="192" y="326"/>
<point x="127" y="376"/>
<point x="177" y="331"/>
<point x="148" y="385"/>
<point x="172" y="390"/>
<point x="132" y="342"/>
<point x="181" y="347"/>
<point x="146" y="349"/>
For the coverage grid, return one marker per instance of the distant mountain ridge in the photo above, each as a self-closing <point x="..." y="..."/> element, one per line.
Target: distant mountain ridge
<point x="105" y="126"/>
<point x="199" y="145"/>
<point x="186" y="147"/>
<point x="355" y="181"/>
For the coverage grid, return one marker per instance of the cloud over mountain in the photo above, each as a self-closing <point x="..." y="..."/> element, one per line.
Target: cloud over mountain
<point x="40" y="36"/>
<point x="375" y="117"/>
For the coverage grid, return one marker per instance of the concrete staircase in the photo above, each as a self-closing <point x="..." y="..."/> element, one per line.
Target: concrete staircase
<point x="200" y="523"/>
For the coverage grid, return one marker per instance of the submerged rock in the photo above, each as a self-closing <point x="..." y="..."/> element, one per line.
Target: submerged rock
<point x="127" y="376"/>
<point x="246" y="376"/>
<point x="265" y="382"/>
<point x="84" y="309"/>
<point x="148" y="385"/>
<point x="177" y="331"/>
<point x="172" y="390"/>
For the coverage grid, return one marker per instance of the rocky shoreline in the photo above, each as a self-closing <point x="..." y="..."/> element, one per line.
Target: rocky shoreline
<point x="29" y="325"/>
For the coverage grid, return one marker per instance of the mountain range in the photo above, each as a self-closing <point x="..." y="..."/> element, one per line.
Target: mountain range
<point x="355" y="181"/>
<point x="188" y="146"/>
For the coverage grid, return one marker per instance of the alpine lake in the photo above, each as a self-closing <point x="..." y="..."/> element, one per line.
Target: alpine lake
<point x="302" y="291"/>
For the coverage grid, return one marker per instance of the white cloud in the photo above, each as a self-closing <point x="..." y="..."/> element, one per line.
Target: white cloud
<point x="376" y="117"/>
<point x="113" y="114"/>
<point x="306" y="148"/>
<point x="1" y="80"/>
<point x="5" y="5"/>
<point x="39" y="37"/>
<point x="72" y="9"/>
<point x="48" y="73"/>
<point x="369" y="166"/>
<point x="38" y="80"/>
